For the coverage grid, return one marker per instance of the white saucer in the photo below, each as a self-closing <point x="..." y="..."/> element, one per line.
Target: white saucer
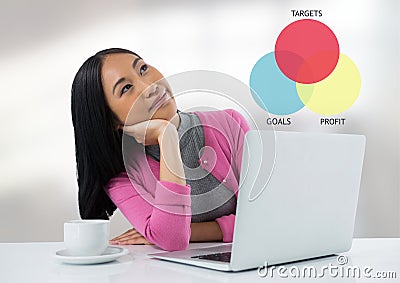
<point x="110" y="254"/>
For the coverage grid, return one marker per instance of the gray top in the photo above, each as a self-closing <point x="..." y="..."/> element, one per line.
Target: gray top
<point x="210" y="198"/>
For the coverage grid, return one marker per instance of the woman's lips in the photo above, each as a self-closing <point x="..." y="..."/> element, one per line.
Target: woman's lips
<point x="159" y="101"/>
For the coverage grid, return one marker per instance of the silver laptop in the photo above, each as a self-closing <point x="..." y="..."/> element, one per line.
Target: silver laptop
<point x="298" y="195"/>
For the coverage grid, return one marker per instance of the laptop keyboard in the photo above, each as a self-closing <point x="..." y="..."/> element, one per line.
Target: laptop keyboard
<point x="225" y="257"/>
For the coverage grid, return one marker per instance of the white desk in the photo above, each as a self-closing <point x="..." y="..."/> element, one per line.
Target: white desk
<point x="34" y="262"/>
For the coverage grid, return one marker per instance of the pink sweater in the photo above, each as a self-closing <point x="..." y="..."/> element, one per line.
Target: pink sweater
<point x="160" y="210"/>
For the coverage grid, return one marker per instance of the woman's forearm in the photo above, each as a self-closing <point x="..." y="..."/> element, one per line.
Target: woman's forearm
<point x="171" y="169"/>
<point x="205" y="232"/>
<point x="171" y="166"/>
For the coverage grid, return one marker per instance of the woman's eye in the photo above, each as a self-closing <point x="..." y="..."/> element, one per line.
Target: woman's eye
<point x="143" y="69"/>
<point x="125" y="88"/>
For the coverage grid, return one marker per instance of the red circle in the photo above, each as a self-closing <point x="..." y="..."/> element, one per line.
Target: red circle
<point x="307" y="51"/>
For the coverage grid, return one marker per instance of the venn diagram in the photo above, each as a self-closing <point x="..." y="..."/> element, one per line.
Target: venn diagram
<point x="305" y="70"/>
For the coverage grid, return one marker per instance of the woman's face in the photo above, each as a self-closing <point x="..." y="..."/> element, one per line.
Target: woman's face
<point x="128" y="82"/>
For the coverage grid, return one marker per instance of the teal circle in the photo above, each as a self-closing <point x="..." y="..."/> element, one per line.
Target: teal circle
<point x="271" y="89"/>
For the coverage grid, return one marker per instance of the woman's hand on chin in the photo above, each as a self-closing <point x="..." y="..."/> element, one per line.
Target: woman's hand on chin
<point x="130" y="237"/>
<point x="148" y="132"/>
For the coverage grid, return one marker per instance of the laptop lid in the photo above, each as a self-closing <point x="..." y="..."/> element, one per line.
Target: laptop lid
<point x="298" y="196"/>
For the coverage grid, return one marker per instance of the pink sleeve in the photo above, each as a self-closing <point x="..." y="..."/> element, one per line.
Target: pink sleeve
<point x="167" y="222"/>
<point x="227" y="222"/>
<point x="241" y="122"/>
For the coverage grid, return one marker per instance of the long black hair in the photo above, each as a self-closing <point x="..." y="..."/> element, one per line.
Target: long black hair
<point x="98" y="142"/>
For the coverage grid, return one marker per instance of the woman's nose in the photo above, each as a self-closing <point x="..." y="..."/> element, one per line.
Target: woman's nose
<point x="151" y="91"/>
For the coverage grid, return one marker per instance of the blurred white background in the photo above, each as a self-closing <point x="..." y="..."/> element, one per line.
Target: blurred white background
<point x="44" y="42"/>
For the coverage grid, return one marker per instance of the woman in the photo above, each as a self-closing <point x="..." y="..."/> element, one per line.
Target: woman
<point x="115" y="92"/>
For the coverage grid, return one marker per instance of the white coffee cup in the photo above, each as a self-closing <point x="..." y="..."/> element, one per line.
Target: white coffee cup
<point x="86" y="237"/>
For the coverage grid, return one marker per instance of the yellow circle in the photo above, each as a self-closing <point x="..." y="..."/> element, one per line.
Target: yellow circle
<point x="336" y="93"/>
